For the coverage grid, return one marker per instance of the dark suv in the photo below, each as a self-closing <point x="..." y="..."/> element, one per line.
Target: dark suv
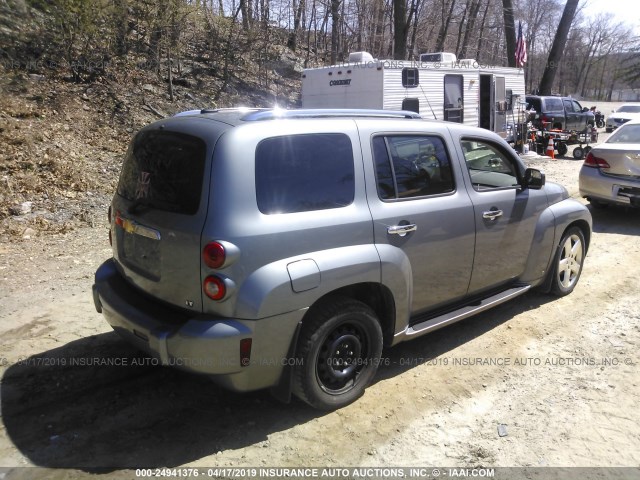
<point x="282" y="250"/>
<point x="561" y="113"/>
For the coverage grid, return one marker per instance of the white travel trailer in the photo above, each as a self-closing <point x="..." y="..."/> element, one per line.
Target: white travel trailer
<point x="438" y="86"/>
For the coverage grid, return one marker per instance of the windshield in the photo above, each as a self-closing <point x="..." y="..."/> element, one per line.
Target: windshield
<point x="630" y="108"/>
<point x="626" y="134"/>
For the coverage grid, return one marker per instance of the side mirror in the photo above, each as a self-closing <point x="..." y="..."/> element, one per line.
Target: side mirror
<point x="533" y="179"/>
<point x="585" y="109"/>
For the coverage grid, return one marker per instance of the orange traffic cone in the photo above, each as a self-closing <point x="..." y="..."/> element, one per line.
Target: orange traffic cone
<point x="551" y="149"/>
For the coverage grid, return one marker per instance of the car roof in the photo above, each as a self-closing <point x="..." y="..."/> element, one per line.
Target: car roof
<point x="237" y="116"/>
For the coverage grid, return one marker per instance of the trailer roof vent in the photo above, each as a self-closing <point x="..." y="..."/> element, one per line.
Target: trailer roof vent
<point x="439" y="57"/>
<point x="360" y="57"/>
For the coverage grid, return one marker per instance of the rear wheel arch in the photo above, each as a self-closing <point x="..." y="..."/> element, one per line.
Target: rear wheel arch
<point x="376" y="296"/>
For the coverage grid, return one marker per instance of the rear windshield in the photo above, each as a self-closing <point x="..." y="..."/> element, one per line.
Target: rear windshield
<point x="300" y="173"/>
<point x="164" y="170"/>
<point x="629" y="108"/>
<point x="626" y="134"/>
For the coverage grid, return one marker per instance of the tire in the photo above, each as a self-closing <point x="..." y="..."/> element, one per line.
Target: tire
<point x="600" y="124"/>
<point x="568" y="262"/>
<point x="339" y="349"/>
<point x="578" y="153"/>
<point x="562" y="149"/>
<point x="587" y="149"/>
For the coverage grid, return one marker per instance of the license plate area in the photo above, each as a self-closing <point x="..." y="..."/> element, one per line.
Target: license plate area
<point x="142" y="255"/>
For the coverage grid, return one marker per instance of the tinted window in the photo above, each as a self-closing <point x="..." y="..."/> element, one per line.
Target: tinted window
<point x="534" y="103"/>
<point x="488" y="166"/>
<point x="411" y="166"/>
<point x="553" y="105"/>
<point x="164" y="170"/>
<point x="298" y="173"/>
<point x="568" y="105"/>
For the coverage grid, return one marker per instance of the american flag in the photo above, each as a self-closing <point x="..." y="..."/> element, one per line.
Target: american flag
<point x="521" y="48"/>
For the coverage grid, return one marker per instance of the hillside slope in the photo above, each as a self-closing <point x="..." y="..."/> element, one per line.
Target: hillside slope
<point x="64" y="126"/>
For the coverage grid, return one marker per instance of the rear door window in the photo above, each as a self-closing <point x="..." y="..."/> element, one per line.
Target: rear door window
<point x="299" y="173"/>
<point x="553" y="105"/>
<point x="164" y="171"/>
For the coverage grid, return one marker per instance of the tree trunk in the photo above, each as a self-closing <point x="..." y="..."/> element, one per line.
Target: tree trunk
<point x="559" y="41"/>
<point x="335" y="30"/>
<point x="444" y="26"/>
<point x="468" y="31"/>
<point x="297" y="17"/>
<point x="460" y="26"/>
<point x="509" y="32"/>
<point x="399" y="29"/>
<point x="481" y="35"/>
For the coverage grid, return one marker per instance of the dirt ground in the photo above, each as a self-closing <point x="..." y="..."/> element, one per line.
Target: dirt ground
<point x="536" y="382"/>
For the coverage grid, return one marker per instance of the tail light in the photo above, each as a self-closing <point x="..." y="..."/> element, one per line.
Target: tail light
<point x="214" y="255"/>
<point x="596" y="162"/>
<point x="214" y="287"/>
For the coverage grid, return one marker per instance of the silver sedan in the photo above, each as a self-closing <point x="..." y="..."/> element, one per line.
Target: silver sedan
<point x="611" y="172"/>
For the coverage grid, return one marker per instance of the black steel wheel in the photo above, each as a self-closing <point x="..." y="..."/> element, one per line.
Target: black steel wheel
<point x="340" y="346"/>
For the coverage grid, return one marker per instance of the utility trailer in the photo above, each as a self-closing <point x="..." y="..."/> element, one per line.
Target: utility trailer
<point x="438" y="86"/>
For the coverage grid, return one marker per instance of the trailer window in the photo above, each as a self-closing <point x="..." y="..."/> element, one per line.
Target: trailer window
<point x="453" y="98"/>
<point x="410" y="77"/>
<point x="411" y="166"/>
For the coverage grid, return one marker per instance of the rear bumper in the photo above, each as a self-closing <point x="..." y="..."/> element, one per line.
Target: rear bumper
<point x="594" y="185"/>
<point x="196" y="343"/>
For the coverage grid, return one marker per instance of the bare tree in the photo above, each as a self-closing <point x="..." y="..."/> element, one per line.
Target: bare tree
<point x="509" y="32"/>
<point x="559" y="41"/>
<point x="444" y="26"/>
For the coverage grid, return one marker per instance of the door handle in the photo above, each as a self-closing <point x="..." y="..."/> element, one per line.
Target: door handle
<point x="401" y="230"/>
<point x="492" y="214"/>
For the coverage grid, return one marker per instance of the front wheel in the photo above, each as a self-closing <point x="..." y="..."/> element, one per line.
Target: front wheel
<point x="568" y="262"/>
<point x="339" y="349"/>
<point x="600" y="123"/>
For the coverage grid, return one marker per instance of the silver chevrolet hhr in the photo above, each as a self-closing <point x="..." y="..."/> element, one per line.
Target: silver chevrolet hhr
<point x="285" y="249"/>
